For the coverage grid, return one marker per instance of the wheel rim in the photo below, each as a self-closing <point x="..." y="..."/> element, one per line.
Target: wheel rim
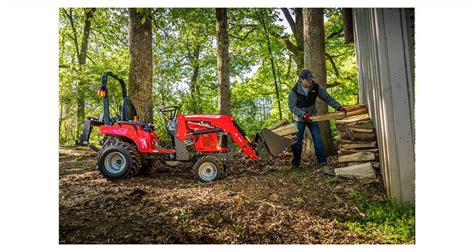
<point x="207" y="171"/>
<point x="115" y="162"/>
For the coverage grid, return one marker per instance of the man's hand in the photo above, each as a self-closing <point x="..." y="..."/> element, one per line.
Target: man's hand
<point x="341" y="109"/>
<point x="306" y="117"/>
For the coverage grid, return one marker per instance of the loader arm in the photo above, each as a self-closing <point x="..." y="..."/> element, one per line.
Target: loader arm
<point x="267" y="143"/>
<point x="223" y="122"/>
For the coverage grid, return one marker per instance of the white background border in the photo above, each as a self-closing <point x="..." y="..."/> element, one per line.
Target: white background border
<point x="29" y="109"/>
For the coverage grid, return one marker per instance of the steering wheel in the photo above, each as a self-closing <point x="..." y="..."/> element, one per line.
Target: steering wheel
<point x="169" y="112"/>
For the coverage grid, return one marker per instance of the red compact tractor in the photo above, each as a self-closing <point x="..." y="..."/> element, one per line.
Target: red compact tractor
<point x="129" y="145"/>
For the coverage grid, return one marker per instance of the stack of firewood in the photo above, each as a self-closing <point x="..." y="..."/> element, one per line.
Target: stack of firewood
<point x="356" y="142"/>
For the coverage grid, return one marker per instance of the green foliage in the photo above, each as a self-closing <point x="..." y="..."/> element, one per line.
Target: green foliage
<point x="389" y="221"/>
<point x="185" y="64"/>
<point x="331" y="180"/>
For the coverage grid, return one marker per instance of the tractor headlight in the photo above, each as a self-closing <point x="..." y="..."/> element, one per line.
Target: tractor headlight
<point x="101" y="91"/>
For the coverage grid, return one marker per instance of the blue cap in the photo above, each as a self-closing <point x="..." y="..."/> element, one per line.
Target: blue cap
<point x="306" y="74"/>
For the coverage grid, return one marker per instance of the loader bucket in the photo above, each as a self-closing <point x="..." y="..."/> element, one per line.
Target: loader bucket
<point x="269" y="143"/>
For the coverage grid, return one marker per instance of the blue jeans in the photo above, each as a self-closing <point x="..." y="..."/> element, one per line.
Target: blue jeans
<point x="318" y="144"/>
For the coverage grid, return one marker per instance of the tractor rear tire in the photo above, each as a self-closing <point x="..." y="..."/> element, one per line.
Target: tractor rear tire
<point x="118" y="160"/>
<point x="208" y="168"/>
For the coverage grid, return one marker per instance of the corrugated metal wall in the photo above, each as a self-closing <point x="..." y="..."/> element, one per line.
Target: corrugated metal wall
<point x="384" y="44"/>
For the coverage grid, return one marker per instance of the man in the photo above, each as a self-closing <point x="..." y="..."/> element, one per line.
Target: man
<point x="301" y="100"/>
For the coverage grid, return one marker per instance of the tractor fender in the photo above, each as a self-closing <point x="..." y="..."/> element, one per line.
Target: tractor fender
<point x="142" y="139"/>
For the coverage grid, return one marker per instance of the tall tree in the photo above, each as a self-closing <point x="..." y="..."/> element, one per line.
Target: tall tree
<point x="277" y="92"/>
<point x="296" y="26"/>
<point x="141" y="66"/>
<point x="314" y="60"/>
<point x="223" y="61"/>
<point x="81" y="54"/>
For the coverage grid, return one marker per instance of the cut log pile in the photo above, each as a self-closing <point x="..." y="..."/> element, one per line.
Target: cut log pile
<point x="357" y="143"/>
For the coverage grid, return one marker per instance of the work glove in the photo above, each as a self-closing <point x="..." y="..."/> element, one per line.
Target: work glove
<point x="306" y="117"/>
<point x="341" y="109"/>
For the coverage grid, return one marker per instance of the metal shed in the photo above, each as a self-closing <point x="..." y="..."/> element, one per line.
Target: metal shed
<point x="384" y="43"/>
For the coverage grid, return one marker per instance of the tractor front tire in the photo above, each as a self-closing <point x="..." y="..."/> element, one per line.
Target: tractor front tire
<point x="208" y="168"/>
<point x="119" y="160"/>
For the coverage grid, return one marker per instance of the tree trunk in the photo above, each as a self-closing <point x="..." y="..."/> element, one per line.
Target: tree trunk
<point x="81" y="54"/>
<point x="61" y="108"/>
<point x="141" y="66"/>
<point x="297" y="28"/>
<point x="314" y="59"/>
<point x="262" y="18"/>
<point x="195" y="96"/>
<point x="299" y="35"/>
<point x="223" y="61"/>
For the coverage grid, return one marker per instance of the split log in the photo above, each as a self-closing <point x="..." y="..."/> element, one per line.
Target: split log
<point x="358" y="146"/>
<point x="375" y="165"/>
<point x="363" y="136"/>
<point x="286" y="130"/>
<point x="345" y="141"/>
<point x="357" y="112"/>
<point x="328" y="116"/>
<point x="361" y="171"/>
<point x="343" y="134"/>
<point x="361" y="130"/>
<point x="355" y="107"/>
<point x="346" y="134"/>
<point x="366" y="124"/>
<point x="290" y="129"/>
<point x="353" y="119"/>
<point x="359" y="156"/>
<point x="351" y="151"/>
<point x="278" y="124"/>
<point x="356" y="163"/>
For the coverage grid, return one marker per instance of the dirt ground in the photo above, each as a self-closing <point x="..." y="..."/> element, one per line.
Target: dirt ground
<point x="254" y="203"/>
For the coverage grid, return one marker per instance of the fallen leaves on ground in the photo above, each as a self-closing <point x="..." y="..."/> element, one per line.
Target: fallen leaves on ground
<point x="256" y="202"/>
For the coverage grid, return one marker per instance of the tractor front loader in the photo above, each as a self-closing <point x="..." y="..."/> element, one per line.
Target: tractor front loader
<point x="129" y="145"/>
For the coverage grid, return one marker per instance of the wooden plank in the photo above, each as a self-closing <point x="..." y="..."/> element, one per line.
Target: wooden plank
<point x="353" y="119"/>
<point x="278" y="124"/>
<point x="329" y="116"/>
<point x="290" y="129"/>
<point x="357" y="112"/>
<point x="359" y="156"/>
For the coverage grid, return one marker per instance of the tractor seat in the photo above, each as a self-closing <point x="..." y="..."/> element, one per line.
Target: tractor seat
<point x="127" y="110"/>
<point x="128" y="113"/>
